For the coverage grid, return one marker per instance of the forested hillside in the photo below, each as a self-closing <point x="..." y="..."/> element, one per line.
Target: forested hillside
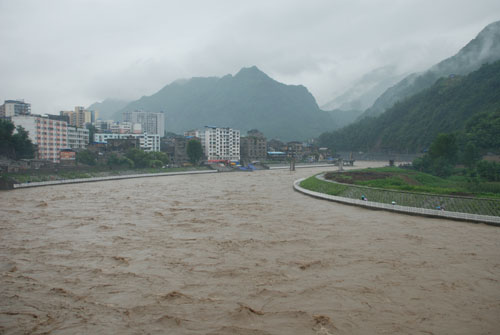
<point x="485" y="48"/>
<point x="456" y="103"/>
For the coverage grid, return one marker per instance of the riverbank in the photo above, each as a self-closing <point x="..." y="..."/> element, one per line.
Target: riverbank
<point x="43" y="178"/>
<point x="95" y="179"/>
<point x="457" y="208"/>
<point x="15" y="181"/>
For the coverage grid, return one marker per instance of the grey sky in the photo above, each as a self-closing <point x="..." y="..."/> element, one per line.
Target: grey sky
<point x="57" y="54"/>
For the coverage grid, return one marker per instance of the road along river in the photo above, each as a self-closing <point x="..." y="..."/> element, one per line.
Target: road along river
<point x="236" y="253"/>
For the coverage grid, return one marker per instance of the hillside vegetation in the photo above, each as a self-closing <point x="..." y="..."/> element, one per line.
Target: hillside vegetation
<point x="485" y="48"/>
<point x="467" y="104"/>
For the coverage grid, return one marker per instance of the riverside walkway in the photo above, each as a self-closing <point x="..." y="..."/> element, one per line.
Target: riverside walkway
<point x="488" y="219"/>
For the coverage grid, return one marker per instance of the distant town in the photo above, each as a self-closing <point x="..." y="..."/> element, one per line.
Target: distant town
<point x="59" y="138"/>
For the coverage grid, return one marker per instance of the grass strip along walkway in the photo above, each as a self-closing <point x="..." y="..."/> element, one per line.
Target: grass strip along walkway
<point x="479" y="206"/>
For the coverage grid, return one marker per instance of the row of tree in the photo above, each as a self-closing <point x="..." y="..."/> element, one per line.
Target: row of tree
<point x="445" y="152"/>
<point x="137" y="158"/>
<point x="133" y="158"/>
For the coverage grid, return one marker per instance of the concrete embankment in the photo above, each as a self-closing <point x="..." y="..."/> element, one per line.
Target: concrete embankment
<point x="283" y="167"/>
<point x="491" y="220"/>
<point x="95" y="179"/>
<point x="143" y="175"/>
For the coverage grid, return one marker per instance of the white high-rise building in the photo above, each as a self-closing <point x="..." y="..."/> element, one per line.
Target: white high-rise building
<point x="220" y="143"/>
<point x="151" y="123"/>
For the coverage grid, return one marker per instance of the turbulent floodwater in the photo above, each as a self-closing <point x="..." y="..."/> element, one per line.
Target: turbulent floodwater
<point x="236" y="253"/>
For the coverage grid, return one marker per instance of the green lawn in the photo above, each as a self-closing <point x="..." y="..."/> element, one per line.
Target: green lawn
<point x="413" y="181"/>
<point x="401" y="186"/>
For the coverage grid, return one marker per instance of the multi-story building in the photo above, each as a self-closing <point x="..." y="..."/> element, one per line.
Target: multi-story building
<point x="148" y="142"/>
<point x="220" y="143"/>
<point x="192" y="133"/>
<point x="80" y="117"/>
<point x="103" y="125"/>
<point x="126" y="128"/>
<point x="78" y="138"/>
<point x="253" y="146"/>
<point x="50" y="135"/>
<point x="12" y="108"/>
<point x="176" y="148"/>
<point x="151" y="123"/>
<point x="295" y="149"/>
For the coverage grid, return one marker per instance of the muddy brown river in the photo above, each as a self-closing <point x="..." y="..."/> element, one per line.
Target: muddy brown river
<point x="236" y="253"/>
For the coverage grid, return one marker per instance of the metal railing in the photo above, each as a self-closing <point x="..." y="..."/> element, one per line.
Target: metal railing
<point x="493" y="220"/>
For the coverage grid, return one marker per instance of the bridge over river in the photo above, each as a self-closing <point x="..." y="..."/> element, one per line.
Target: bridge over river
<point x="236" y="253"/>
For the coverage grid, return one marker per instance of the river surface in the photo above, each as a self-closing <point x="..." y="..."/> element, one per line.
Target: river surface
<point x="236" y="253"/>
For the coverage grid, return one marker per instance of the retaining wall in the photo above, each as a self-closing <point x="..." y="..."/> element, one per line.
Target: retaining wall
<point x="95" y="179"/>
<point x="492" y="220"/>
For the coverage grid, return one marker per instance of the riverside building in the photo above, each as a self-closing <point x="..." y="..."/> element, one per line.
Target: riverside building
<point x="80" y="117"/>
<point x="49" y="135"/>
<point x="253" y="146"/>
<point x="220" y="144"/>
<point x="147" y="142"/>
<point x="12" y="108"/>
<point x="78" y="138"/>
<point x="151" y="123"/>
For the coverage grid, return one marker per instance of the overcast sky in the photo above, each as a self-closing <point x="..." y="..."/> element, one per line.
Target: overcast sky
<point x="57" y="54"/>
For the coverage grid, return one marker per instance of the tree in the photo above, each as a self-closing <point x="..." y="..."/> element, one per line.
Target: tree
<point x="115" y="160"/>
<point x="441" y="158"/>
<point x="23" y="146"/>
<point x="194" y="151"/>
<point x="16" y="145"/>
<point x="159" y="156"/>
<point x="92" y="130"/>
<point x="445" y="147"/>
<point x="489" y="170"/>
<point x="470" y="155"/>
<point x="86" y="157"/>
<point x="139" y="157"/>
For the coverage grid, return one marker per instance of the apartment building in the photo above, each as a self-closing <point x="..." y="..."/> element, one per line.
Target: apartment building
<point x="50" y="135"/>
<point x="253" y="147"/>
<point x="78" y="138"/>
<point x="151" y="123"/>
<point x="80" y="117"/>
<point x="12" y="108"/>
<point x="220" y="143"/>
<point x="148" y="142"/>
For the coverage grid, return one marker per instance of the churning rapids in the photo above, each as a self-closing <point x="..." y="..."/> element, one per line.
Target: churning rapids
<point x="236" y="253"/>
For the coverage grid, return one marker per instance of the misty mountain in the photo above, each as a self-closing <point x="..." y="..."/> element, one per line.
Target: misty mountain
<point x="411" y="125"/>
<point x="365" y="90"/>
<point x="248" y="100"/>
<point x="108" y="107"/>
<point x="485" y="48"/>
<point x="344" y="117"/>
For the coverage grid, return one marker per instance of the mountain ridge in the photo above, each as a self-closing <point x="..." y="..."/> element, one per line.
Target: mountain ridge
<point x="484" y="48"/>
<point x="412" y="124"/>
<point x="248" y="100"/>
